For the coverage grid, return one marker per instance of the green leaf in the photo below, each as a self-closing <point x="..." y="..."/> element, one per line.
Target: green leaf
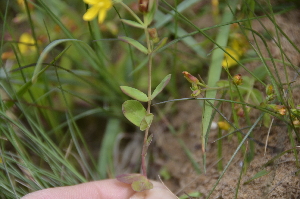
<point x="189" y="195"/>
<point x="138" y="182"/>
<point x="256" y="96"/>
<point x="267" y="120"/>
<point x="132" y="23"/>
<point x="134" y="93"/>
<point x="257" y="175"/>
<point x="148" y="17"/>
<point x="142" y="184"/>
<point x="161" y="86"/>
<point x="146" y="122"/>
<point x="134" y="111"/>
<point x="260" y="72"/>
<point x="161" y="44"/>
<point x="223" y="83"/>
<point x="134" y="43"/>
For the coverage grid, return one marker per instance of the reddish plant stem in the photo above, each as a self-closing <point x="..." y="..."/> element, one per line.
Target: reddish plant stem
<point x="145" y="144"/>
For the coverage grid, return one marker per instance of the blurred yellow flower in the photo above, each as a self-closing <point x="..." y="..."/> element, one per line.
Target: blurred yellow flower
<point x="228" y="62"/>
<point x="237" y="47"/>
<point x="215" y="7"/>
<point x="26" y="43"/>
<point x="224" y="125"/>
<point x="99" y="7"/>
<point x="21" y="3"/>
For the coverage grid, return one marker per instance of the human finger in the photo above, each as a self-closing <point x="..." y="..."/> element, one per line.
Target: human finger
<point x="103" y="189"/>
<point x="158" y="191"/>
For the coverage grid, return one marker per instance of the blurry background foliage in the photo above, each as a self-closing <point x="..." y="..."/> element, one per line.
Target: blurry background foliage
<point x="62" y="129"/>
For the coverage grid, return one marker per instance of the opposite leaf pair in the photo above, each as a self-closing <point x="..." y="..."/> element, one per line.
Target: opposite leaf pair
<point x="134" y="111"/>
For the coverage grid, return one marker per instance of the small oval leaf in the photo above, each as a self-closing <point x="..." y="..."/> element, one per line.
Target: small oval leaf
<point x="146" y="121"/>
<point x="134" y="43"/>
<point x="138" y="181"/>
<point x="134" y="111"/>
<point x="161" y="86"/>
<point x="142" y="184"/>
<point x="134" y="93"/>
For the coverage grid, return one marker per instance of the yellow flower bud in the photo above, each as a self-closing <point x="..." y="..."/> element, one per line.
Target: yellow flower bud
<point x="143" y="6"/>
<point x="237" y="79"/>
<point x="281" y="109"/>
<point x="196" y="93"/>
<point x="296" y="123"/>
<point x="153" y="35"/>
<point x="269" y="89"/>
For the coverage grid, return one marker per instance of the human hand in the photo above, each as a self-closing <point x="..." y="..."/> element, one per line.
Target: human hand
<point x="103" y="189"/>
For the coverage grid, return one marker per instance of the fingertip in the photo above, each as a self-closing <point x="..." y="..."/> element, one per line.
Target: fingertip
<point x="159" y="191"/>
<point x="108" y="189"/>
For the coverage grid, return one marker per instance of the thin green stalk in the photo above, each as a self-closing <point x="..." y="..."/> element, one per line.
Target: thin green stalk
<point x="279" y="45"/>
<point x="234" y="154"/>
<point x="230" y="101"/>
<point x="150" y="58"/>
<point x="219" y="147"/>
<point x="144" y="150"/>
<point x="32" y="27"/>
<point x="130" y="78"/>
<point x="131" y="12"/>
<point x="293" y="143"/>
<point x="241" y="172"/>
<point x="214" y="72"/>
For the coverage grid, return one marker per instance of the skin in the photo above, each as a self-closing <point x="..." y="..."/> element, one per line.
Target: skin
<point x="104" y="189"/>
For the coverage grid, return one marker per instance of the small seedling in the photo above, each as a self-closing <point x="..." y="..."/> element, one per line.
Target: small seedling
<point x="134" y="110"/>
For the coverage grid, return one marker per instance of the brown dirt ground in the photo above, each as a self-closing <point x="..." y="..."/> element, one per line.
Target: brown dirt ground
<point x="281" y="182"/>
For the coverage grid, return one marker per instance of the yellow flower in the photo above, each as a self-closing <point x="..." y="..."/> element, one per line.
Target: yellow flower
<point x="224" y="125"/>
<point x="99" y="7"/>
<point x="228" y="62"/>
<point x="21" y="3"/>
<point x="26" y="43"/>
<point x="296" y="123"/>
<point x="237" y="47"/>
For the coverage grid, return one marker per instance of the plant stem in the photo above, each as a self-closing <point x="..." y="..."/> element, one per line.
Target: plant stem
<point x="145" y="144"/>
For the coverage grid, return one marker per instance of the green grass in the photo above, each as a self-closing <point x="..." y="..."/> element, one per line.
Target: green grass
<point x="61" y="100"/>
